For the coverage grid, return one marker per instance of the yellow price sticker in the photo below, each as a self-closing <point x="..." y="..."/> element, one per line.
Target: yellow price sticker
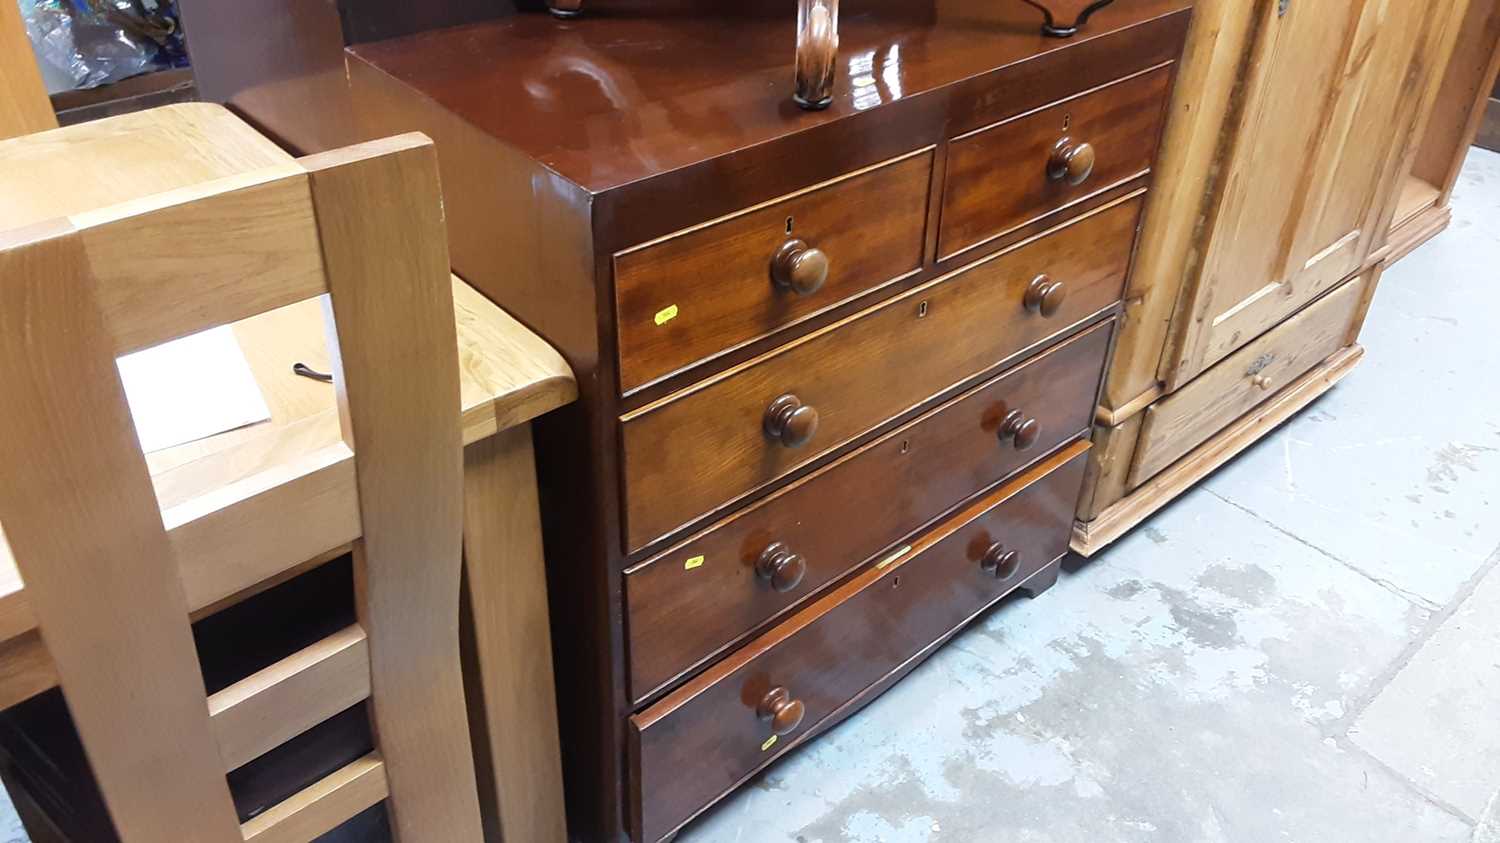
<point x="666" y="314"/>
<point x="695" y="562"/>
<point x="770" y="742"/>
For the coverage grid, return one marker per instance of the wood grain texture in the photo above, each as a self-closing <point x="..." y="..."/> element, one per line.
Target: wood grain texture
<point x="997" y="176"/>
<point x="510" y="681"/>
<point x="89" y="543"/>
<point x="269" y="707"/>
<point x="1331" y="95"/>
<point x="379" y="214"/>
<point x="24" y="106"/>
<point x="692" y="601"/>
<point x="1178" y="423"/>
<point x="1104" y="482"/>
<point x="696" y="450"/>
<point x="323" y="806"/>
<point x="702" y="739"/>
<point x="1183" y="177"/>
<point x="93" y="165"/>
<point x="1090" y="537"/>
<point x="1466" y="93"/>
<point x="697" y="293"/>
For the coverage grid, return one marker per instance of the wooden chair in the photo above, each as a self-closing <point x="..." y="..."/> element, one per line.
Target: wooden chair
<point x="110" y="577"/>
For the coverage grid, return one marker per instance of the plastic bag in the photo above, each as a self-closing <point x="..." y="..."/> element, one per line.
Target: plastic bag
<point x="78" y="45"/>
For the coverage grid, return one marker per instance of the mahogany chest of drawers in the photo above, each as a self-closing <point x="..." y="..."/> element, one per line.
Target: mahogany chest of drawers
<point x="837" y="369"/>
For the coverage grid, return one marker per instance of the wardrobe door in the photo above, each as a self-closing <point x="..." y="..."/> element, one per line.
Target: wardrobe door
<point x="1331" y="96"/>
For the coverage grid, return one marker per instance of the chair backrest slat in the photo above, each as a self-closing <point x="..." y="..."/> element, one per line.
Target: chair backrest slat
<point x="81" y="519"/>
<point x="110" y="583"/>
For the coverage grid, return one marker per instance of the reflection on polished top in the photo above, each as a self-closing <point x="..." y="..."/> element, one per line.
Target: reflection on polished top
<point x="617" y="96"/>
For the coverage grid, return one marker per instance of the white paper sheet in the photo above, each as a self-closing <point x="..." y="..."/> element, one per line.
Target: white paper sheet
<point x="191" y="388"/>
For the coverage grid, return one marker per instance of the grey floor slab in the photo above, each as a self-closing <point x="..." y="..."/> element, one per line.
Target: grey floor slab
<point x="1438" y="721"/>
<point x="1397" y="471"/>
<point x="1188" y="686"/>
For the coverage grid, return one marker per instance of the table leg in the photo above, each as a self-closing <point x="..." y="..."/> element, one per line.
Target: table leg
<point x="508" y="643"/>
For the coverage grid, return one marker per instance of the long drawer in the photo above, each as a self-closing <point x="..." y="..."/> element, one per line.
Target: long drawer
<point x="691" y="452"/>
<point x="688" y="603"/>
<point x="1183" y="420"/>
<point x="1003" y="176"/>
<point x="694" y="294"/>
<point x="708" y="736"/>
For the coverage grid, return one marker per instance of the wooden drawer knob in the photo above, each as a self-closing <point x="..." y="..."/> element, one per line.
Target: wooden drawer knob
<point x="1071" y="161"/>
<point x="780" y="567"/>
<point x="783" y="713"/>
<point x="791" y="422"/>
<point x="1000" y="563"/>
<point x="799" y="268"/>
<point x="1019" y="430"/>
<point x="1045" y="296"/>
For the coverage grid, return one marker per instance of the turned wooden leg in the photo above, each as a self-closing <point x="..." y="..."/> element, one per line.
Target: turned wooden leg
<point x="1042" y="580"/>
<point x="565" y="8"/>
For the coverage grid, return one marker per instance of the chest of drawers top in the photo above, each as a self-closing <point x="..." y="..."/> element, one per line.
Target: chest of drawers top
<point x="640" y="105"/>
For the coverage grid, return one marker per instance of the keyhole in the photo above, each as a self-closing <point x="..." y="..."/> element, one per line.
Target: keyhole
<point x="896" y="581"/>
<point x="905" y="446"/>
<point x="1067" y="121"/>
<point x="788" y="225"/>
<point x="922" y="310"/>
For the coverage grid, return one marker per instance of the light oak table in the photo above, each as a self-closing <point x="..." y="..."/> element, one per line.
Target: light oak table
<point x="509" y="376"/>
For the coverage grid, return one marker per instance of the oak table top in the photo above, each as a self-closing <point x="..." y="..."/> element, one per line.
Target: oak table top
<point x="509" y="375"/>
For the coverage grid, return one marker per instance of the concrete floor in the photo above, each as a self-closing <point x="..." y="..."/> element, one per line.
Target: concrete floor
<point x="1306" y="647"/>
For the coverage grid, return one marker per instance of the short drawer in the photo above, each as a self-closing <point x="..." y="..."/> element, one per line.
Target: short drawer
<point x="1183" y="420"/>
<point x="689" y="603"/>
<point x="693" y="451"/>
<point x="697" y="293"/>
<point x="708" y="736"/>
<point x="1006" y="175"/>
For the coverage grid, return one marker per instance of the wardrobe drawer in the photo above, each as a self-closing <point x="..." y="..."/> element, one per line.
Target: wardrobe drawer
<point x="691" y="452"/>
<point x="1183" y="420"/>
<point x="706" y="737"/>
<point x="1003" y="176"/>
<point x="687" y="604"/>
<point x="691" y="295"/>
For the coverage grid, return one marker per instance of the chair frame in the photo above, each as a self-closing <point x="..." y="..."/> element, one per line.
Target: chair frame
<point x="110" y="577"/>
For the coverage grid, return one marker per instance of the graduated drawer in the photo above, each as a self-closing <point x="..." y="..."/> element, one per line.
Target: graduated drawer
<point x="708" y="736"/>
<point x="687" y="604"/>
<point x="1002" y="176"/>
<point x="693" y="451"/>
<point x="694" y="294"/>
<point x="1185" y="419"/>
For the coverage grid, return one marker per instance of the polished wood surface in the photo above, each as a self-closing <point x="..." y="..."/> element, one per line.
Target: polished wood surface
<point x="692" y="295"/>
<point x="694" y="600"/>
<point x="564" y="144"/>
<point x="690" y="453"/>
<point x="1180" y="422"/>
<point x="1002" y="176"/>
<point x="633" y="115"/>
<point x="708" y="735"/>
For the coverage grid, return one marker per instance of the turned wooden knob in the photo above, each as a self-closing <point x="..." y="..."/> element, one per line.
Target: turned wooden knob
<point x="1019" y="430"/>
<point x="780" y="567"/>
<point x="1261" y="382"/>
<point x="1045" y="296"/>
<point x="1000" y="563"/>
<point x="781" y="711"/>
<point x="799" y="268"/>
<point x="1071" y="161"/>
<point x="791" y="422"/>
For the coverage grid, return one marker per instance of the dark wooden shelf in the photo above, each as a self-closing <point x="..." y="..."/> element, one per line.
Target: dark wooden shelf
<point x="147" y="90"/>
